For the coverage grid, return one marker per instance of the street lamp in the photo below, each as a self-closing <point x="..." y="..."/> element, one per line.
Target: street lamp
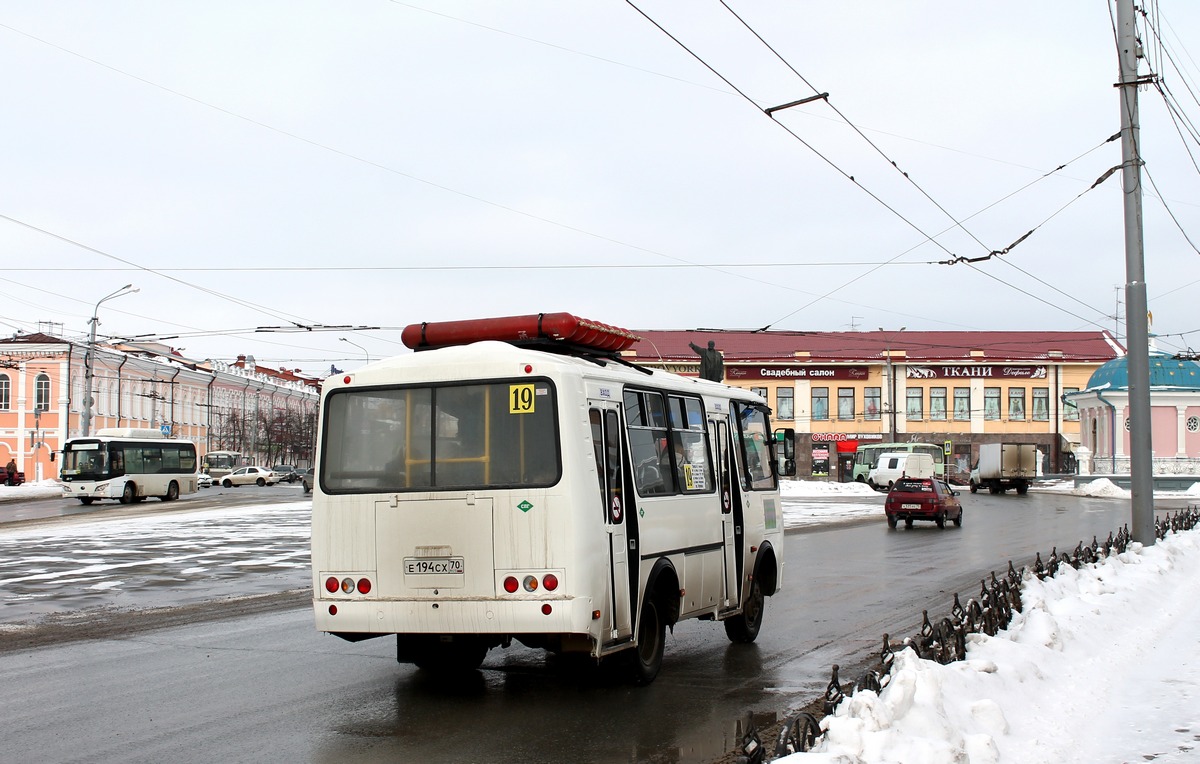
<point x="891" y="376"/>
<point x="90" y="360"/>
<point x="360" y="347"/>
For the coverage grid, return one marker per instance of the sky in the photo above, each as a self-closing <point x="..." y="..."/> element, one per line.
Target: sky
<point x="274" y="177"/>
<point x="1089" y="672"/>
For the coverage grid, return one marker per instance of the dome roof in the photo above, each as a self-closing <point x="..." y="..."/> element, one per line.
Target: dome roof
<point x="1165" y="371"/>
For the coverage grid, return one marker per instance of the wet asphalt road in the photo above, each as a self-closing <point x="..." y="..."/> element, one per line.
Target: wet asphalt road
<point x="266" y="686"/>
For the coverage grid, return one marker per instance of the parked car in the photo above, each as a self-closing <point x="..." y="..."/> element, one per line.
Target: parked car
<point x="250" y="476"/>
<point x="307" y="477"/>
<point x="287" y="473"/>
<point x="922" y="499"/>
<point x="204" y="480"/>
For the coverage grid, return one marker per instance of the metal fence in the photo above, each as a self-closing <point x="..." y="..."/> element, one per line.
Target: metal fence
<point x="945" y="640"/>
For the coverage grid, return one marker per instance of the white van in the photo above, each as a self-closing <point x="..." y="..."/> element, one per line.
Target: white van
<point x="897" y="464"/>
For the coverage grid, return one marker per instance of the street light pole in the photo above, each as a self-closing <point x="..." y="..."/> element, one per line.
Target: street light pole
<point x="891" y="380"/>
<point x="360" y="347"/>
<point x="90" y="360"/>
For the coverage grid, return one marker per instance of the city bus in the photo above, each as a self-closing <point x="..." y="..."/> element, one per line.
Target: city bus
<point x="867" y="456"/>
<point x="220" y="463"/>
<point x="129" y="465"/>
<point x="514" y="479"/>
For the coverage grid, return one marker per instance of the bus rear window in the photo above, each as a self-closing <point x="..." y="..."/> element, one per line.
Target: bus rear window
<point x="446" y="437"/>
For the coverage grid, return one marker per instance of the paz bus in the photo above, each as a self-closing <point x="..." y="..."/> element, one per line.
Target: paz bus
<point x="867" y="456"/>
<point x="514" y="479"/>
<point x="127" y="464"/>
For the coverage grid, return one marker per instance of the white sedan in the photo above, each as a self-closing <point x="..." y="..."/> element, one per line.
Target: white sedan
<point x="203" y="480"/>
<point x="250" y="476"/>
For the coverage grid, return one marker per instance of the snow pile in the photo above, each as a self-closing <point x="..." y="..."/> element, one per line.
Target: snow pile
<point x="41" y="489"/>
<point x="1096" y="668"/>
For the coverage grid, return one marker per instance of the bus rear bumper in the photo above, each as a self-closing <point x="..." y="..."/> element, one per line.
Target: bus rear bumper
<point x="366" y="617"/>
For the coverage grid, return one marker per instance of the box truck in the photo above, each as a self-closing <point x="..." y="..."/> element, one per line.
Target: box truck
<point x="1005" y="465"/>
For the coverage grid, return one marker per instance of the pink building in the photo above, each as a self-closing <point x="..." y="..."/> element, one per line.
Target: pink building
<point x="263" y="413"/>
<point x="1174" y="418"/>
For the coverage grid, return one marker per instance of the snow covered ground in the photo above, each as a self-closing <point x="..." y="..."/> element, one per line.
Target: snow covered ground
<point x="1099" y="667"/>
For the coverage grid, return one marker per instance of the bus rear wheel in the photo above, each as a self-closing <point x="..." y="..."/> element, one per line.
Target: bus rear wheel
<point x="172" y="492"/>
<point x="744" y="628"/>
<point x="85" y="500"/>
<point x="646" y="658"/>
<point x="129" y="494"/>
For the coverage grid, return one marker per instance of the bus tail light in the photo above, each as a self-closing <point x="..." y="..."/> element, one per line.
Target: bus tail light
<point x="364" y="586"/>
<point x="332" y="584"/>
<point x="511" y="584"/>
<point x="550" y="582"/>
<point x="530" y="583"/>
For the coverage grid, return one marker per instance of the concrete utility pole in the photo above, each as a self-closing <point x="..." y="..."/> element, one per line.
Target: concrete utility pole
<point x="1137" y="329"/>
<point x="89" y="362"/>
<point x="891" y="380"/>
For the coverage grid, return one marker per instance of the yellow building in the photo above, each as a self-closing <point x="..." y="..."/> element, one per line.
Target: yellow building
<point x="955" y="389"/>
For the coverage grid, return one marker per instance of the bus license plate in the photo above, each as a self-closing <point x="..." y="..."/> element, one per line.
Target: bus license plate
<point x="418" y="566"/>
<point x="910" y="506"/>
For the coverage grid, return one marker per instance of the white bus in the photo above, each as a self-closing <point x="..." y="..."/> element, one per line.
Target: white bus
<point x="540" y="490"/>
<point x="128" y="465"/>
<point x="218" y="464"/>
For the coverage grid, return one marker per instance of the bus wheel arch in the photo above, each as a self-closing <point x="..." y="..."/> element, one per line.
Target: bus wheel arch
<point x="172" y="492"/>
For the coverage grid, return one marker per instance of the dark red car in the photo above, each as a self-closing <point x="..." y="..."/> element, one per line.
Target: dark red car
<point x="922" y="499"/>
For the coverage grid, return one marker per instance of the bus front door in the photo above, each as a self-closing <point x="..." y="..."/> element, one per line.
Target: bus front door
<point x="617" y="612"/>
<point x="731" y="521"/>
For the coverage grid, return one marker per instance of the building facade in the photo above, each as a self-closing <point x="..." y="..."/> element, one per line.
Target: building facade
<point x="265" y="414"/>
<point x="953" y="389"/>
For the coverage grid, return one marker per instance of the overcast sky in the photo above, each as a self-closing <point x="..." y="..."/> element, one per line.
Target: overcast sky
<point x="374" y="163"/>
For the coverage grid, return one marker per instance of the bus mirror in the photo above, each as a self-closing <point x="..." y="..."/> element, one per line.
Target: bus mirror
<point x="787" y="436"/>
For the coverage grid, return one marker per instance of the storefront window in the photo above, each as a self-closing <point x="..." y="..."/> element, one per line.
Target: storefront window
<point x="820" y="404"/>
<point x="915" y="410"/>
<point x="962" y="403"/>
<point x="1041" y="404"/>
<point x="785" y="400"/>
<point x="845" y="403"/>
<point x="1016" y="403"/>
<point x="871" y="403"/>
<point x="991" y="403"/>
<point x="937" y="403"/>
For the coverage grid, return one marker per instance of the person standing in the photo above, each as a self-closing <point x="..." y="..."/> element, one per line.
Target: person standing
<point x="712" y="366"/>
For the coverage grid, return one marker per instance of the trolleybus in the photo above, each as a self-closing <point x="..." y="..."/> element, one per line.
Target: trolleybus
<point x="539" y="489"/>
<point x="128" y="465"/>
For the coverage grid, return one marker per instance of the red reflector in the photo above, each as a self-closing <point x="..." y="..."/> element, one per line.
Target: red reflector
<point x="546" y="609"/>
<point x="346" y="379"/>
<point x="333" y="609"/>
<point x="511" y="584"/>
<point x="364" y="585"/>
<point x="550" y="581"/>
<point x="332" y="584"/>
<point x="528" y="369"/>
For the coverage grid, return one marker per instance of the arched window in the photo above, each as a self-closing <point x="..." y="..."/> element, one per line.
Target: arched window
<point x="5" y="392"/>
<point x="41" y="399"/>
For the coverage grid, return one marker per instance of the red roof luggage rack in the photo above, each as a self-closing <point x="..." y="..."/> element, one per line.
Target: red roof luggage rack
<point x="545" y="330"/>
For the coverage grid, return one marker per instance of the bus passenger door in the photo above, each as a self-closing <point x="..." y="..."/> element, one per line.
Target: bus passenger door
<point x="617" y="613"/>
<point x="730" y="520"/>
